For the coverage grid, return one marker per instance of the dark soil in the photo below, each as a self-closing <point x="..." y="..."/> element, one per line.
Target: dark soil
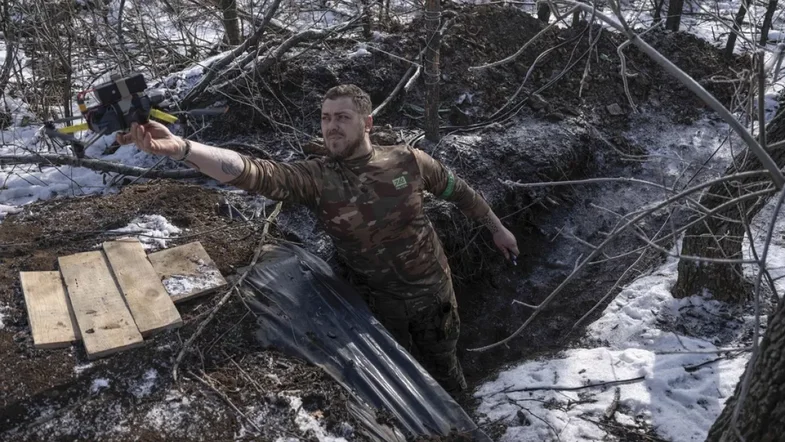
<point x="481" y="35"/>
<point x="553" y="137"/>
<point x="40" y="391"/>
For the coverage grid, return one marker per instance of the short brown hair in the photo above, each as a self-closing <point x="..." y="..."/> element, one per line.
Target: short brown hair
<point x="361" y="100"/>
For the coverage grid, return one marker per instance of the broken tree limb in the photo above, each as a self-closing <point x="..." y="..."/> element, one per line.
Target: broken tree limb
<point x="229" y="291"/>
<point x="98" y="165"/>
<point x="308" y="35"/>
<point x="581" y="387"/>
<point x="412" y="72"/>
<point x="768" y="163"/>
<point x="216" y="67"/>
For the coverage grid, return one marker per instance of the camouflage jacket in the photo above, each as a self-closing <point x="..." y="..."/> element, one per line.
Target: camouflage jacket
<point x="372" y="207"/>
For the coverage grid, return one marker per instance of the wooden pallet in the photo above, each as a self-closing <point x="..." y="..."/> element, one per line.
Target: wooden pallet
<point x="111" y="299"/>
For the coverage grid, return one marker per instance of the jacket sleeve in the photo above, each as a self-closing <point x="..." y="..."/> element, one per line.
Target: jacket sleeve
<point x="443" y="183"/>
<point x="297" y="182"/>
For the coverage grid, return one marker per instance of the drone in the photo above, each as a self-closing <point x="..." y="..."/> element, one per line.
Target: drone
<point x="122" y="101"/>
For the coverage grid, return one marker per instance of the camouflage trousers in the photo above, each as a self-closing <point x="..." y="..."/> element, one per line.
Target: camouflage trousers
<point x="428" y="328"/>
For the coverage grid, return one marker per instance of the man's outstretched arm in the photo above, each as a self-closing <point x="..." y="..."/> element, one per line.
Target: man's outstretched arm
<point x="223" y="165"/>
<point x="445" y="185"/>
<point x="296" y="182"/>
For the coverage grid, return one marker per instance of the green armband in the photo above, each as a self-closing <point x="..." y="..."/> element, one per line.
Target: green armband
<point x="450" y="186"/>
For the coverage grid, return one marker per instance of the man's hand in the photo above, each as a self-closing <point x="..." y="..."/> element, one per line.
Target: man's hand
<point x="504" y="239"/>
<point x="154" y="138"/>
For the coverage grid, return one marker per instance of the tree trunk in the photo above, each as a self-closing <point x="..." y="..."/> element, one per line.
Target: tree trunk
<point x="432" y="75"/>
<point x="720" y="237"/>
<point x="762" y="416"/>
<point x="658" y="9"/>
<point x="367" y="26"/>
<point x="764" y="31"/>
<point x="543" y="11"/>
<point x="10" y="49"/>
<point x="230" y="21"/>
<point x="736" y="28"/>
<point x="674" y="15"/>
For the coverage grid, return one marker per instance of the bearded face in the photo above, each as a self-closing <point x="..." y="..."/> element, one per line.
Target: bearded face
<point x="343" y="127"/>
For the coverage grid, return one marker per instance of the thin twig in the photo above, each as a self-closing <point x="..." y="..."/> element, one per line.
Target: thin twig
<point x="227" y="400"/>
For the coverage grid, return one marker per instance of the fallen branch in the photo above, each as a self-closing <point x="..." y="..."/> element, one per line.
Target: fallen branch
<point x="564" y="388"/>
<point x="414" y="68"/>
<point x="228" y="293"/>
<point x="98" y="165"/>
<point x="308" y="35"/>
<point x="702" y="352"/>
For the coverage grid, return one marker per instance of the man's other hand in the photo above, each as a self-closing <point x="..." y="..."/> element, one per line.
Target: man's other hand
<point x="505" y="241"/>
<point x="154" y="138"/>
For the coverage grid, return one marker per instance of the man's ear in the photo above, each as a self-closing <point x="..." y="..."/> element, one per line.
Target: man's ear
<point x="368" y="123"/>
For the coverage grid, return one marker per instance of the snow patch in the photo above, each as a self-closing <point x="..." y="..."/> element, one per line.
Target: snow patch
<point x="151" y="230"/>
<point x="79" y="369"/>
<point x="208" y="277"/>
<point x="2" y="316"/>
<point x="168" y="414"/>
<point x="145" y="386"/>
<point x="99" y="384"/>
<point x="360" y="52"/>
<point x="308" y="422"/>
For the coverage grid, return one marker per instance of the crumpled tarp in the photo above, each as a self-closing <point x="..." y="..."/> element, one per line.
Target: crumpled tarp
<point x="305" y="310"/>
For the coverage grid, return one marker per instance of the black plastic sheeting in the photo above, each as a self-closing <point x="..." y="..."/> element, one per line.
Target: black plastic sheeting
<point x="305" y="310"/>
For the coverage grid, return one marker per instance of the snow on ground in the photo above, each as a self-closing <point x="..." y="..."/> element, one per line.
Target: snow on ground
<point x="654" y="379"/>
<point x="2" y="316"/>
<point x="151" y="230"/>
<point x="144" y="386"/>
<point x="99" y="384"/>
<point x="23" y="184"/>
<point x="642" y="342"/>
<point x="309" y="422"/>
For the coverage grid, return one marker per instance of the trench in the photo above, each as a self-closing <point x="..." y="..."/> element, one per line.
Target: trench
<point x="552" y="239"/>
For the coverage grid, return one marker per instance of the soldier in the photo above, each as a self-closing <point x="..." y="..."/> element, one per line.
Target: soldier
<point x="370" y="201"/>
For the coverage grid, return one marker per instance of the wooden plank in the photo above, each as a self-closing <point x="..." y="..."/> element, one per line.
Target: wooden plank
<point x="145" y="295"/>
<point x="48" y="310"/>
<point x="104" y="321"/>
<point x="187" y="271"/>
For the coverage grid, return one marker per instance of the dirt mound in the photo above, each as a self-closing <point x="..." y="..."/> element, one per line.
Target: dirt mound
<point x="591" y="79"/>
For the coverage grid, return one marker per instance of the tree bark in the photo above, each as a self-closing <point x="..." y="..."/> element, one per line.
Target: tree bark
<point x="762" y="416"/>
<point x="99" y="165"/>
<point x="10" y="49"/>
<point x="721" y="235"/>
<point x="658" y="9"/>
<point x="432" y="75"/>
<point x="736" y="28"/>
<point x="230" y="21"/>
<point x="674" y="15"/>
<point x="764" y="30"/>
<point x="543" y="11"/>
